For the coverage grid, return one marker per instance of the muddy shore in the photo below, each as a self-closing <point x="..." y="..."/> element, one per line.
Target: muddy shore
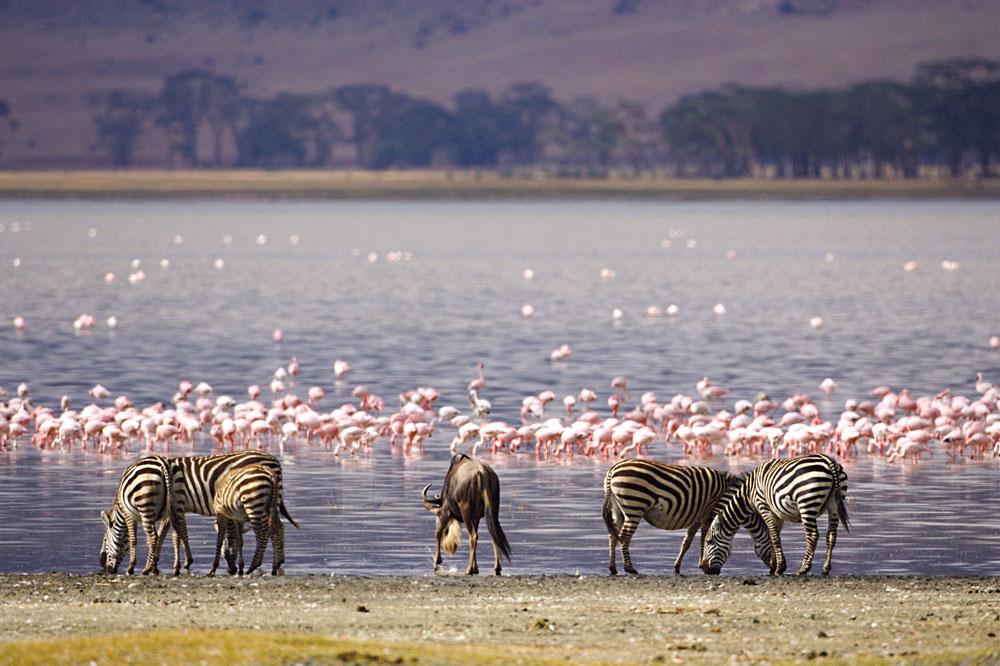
<point x="645" y="619"/>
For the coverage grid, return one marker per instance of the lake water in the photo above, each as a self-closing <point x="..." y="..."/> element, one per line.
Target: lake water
<point x="326" y="275"/>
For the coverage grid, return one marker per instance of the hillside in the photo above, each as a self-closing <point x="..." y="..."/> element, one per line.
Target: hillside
<point x="52" y="53"/>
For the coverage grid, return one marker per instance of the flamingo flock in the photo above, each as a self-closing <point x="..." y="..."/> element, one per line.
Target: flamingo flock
<point x="889" y="424"/>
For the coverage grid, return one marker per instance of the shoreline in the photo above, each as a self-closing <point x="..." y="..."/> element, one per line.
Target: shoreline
<point x="486" y="619"/>
<point x="461" y="185"/>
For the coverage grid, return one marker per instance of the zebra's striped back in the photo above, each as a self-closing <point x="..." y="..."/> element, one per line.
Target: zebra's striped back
<point x="197" y="477"/>
<point x="244" y="492"/>
<point x="667" y="496"/>
<point x="780" y="490"/>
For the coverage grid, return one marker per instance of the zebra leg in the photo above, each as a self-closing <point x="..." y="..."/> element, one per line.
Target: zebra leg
<point x="613" y="516"/>
<point x="181" y="533"/>
<point x="831" y="540"/>
<point x="473" y="527"/>
<point x="625" y="538"/>
<point x="612" y="543"/>
<point x="686" y="544"/>
<point x="277" y="542"/>
<point x="220" y="529"/>
<point x="812" y="538"/>
<point x="774" y="531"/>
<point x="262" y="531"/>
<point x="152" y="547"/>
<point x="133" y="544"/>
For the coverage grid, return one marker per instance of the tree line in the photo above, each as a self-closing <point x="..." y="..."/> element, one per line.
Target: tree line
<point x="947" y="116"/>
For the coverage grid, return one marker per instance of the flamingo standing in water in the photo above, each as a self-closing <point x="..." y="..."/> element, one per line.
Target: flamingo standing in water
<point x="622" y="385"/>
<point x="478" y="383"/>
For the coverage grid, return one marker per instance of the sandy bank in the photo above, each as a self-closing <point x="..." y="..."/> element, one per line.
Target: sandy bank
<point x="646" y="619"/>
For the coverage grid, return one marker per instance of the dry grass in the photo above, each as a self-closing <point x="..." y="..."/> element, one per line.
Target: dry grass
<point x="350" y="184"/>
<point x="247" y="647"/>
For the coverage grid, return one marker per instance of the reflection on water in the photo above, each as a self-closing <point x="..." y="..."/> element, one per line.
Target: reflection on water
<point x="426" y="319"/>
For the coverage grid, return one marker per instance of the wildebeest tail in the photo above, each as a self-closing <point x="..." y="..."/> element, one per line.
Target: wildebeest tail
<point x="493" y="525"/>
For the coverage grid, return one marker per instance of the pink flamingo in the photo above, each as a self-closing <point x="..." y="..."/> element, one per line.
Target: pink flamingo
<point x="478" y="383"/>
<point x="622" y="385"/>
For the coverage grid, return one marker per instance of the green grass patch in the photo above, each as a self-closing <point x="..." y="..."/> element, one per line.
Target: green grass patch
<point x="224" y="647"/>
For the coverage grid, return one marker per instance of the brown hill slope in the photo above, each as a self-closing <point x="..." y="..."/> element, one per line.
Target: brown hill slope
<point x="52" y="53"/>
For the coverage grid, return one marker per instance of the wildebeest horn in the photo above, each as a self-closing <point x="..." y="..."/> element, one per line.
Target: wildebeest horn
<point x="433" y="500"/>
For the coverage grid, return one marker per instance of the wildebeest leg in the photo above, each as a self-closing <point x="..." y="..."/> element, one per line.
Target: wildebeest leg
<point x="473" y="527"/>
<point x="686" y="544"/>
<point x="438" y="535"/>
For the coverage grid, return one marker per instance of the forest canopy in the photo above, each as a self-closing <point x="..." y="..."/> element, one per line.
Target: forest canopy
<point x="947" y="116"/>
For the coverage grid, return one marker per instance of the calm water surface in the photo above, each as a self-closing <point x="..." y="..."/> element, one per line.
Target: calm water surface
<point x="236" y="273"/>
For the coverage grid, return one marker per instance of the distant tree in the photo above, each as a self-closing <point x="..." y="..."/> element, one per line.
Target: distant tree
<point x="480" y="125"/>
<point x="120" y="122"/>
<point x="368" y="105"/>
<point x="189" y="99"/>
<point x="5" y="113"/>
<point x="409" y="133"/>
<point x="286" y="130"/>
<point x="885" y="126"/>
<point x="961" y="103"/>
<point x="532" y="111"/>
<point x="638" y="133"/>
<point x="589" y="133"/>
<point x="710" y="131"/>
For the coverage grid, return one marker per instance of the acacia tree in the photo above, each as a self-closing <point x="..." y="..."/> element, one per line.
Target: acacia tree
<point x="367" y="105"/>
<point x="120" y="122"/>
<point x="961" y="102"/>
<point x="189" y="99"/>
<point x="532" y="111"/>
<point x="5" y="113"/>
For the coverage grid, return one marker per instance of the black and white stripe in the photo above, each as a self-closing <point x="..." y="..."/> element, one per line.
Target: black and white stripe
<point x="795" y="490"/>
<point x="195" y="480"/>
<point x="143" y="495"/>
<point x="671" y="497"/>
<point x="247" y="494"/>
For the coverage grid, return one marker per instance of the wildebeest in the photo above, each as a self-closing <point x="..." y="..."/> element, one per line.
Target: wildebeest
<point x="470" y="491"/>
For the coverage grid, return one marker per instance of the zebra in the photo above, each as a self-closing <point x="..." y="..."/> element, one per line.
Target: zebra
<point x="195" y="479"/>
<point x="144" y="494"/>
<point x="245" y="494"/>
<point x="796" y="490"/>
<point x="670" y="497"/>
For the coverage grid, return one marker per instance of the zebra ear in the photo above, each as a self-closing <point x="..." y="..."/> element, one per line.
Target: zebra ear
<point x="106" y="519"/>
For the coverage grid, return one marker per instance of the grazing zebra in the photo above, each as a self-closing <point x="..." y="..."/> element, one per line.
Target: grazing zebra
<point x="796" y="490"/>
<point x="670" y="497"/>
<point x="195" y="479"/>
<point x="248" y="494"/>
<point x="143" y="495"/>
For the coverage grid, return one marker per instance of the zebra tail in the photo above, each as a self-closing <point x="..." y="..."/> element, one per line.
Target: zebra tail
<point x="493" y="525"/>
<point x="284" y="512"/>
<point x="607" y="512"/>
<point x="836" y="469"/>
